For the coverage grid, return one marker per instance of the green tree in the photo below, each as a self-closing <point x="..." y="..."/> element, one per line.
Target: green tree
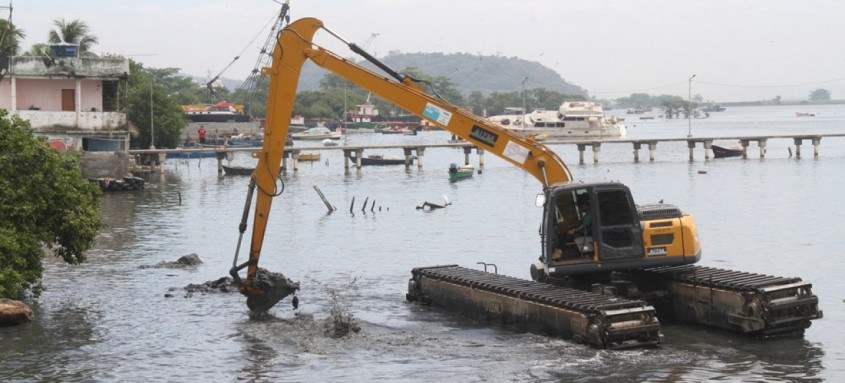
<point x="44" y="203"/>
<point x="167" y="117"/>
<point x="443" y="86"/>
<point x="74" y="32"/>
<point x="820" y="95"/>
<point x="10" y="38"/>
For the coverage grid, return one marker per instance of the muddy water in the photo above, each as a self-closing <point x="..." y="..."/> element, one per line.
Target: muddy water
<point x="109" y="320"/>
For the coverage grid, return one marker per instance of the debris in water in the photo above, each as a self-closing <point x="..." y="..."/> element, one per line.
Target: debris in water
<point x="276" y="286"/>
<point x="181" y="263"/>
<point x="222" y="285"/>
<point x="431" y="206"/>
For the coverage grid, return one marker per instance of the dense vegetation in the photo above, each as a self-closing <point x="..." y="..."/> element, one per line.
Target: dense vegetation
<point x="45" y="205"/>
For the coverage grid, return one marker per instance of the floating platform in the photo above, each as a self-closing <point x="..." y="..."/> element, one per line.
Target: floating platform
<point x="754" y="304"/>
<point x="603" y="321"/>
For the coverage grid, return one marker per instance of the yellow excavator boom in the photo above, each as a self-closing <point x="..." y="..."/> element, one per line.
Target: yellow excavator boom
<point x="295" y="47"/>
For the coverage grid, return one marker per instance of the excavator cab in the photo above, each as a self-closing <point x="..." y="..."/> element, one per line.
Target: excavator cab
<point x="610" y="232"/>
<point x="590" y="228"/>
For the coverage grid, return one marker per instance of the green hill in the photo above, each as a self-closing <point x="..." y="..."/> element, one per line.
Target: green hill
<point x="467" y="71"/>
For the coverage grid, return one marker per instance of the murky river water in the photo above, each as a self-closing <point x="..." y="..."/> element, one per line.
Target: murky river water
<point x="108" y="320"/>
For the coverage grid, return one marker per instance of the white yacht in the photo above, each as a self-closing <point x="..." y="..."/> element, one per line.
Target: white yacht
<point x="574" y="118"/>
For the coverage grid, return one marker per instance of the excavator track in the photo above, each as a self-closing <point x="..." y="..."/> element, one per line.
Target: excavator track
<point x="754" y="304"/>
<point x="603" y="321"/>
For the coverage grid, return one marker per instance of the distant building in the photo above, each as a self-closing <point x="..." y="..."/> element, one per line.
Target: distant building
<point x="76" y="99"/>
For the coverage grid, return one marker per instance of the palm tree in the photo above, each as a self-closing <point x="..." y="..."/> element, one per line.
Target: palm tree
<point x="39" y="49"/>
<point x="75" y="32"/>
<point x="10" y="37"/>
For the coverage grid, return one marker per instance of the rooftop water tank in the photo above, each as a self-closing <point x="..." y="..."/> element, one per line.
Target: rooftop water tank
<point x="64" y="50"/>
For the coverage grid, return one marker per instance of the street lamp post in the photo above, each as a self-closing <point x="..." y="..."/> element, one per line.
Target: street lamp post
<point x="689" y="105"/>
<point x="152" y="127"/>
<point x="524" y="112"/>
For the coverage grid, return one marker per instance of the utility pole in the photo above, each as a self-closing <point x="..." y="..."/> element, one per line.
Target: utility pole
<point x="152" y="127"/>
<point x="524" y="112"/>
<point x="689" y="113"/>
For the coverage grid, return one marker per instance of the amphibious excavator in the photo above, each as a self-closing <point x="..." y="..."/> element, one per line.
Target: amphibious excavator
<point x="599" y="285"/>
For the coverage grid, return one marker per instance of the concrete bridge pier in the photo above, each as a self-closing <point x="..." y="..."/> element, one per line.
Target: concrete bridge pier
<point x="761" y="143"/>
<point x="637" y="147"/>
<point x="359" y="154"/>
<point x="420" y="155"/>
<point x="797" y="142"/>
<point x="708" y="144"/>
<point x="581" y="148"/>
<point x="467" y="152"/>
<point x="816" y="142"/>
<point x="346" y="154"/>
<point x="285" y="156"/>
<point x="596" y="150"/>
<point x="691" y="146"/>
<point x="652" y="148"/>
<point x="409" y="153"/>
<point x="161" y="158"/>
<point x="480" y="152"/>
<point x="220" y="157"/>
<point x="295" y="161"/>
<point x="744" y="144"/>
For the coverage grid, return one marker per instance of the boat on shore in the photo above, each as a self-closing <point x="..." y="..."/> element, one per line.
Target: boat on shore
<point x="724" y="152"/>
<point x="574" y="119"/>
<point x="378" y="159"/>
<point x="460" y="172"/>
<point x="219" y="112"/>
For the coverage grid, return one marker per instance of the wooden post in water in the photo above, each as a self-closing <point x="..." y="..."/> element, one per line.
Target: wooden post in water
<point x="467" y="151"/>
<point x="652" y="147"/>
<point x="295" y="161"/>
<point x="761" y="143"/>
<point x="708" y="144"/>
<point x="816" y="142"/>
<point x="480" y="152"/>
<point x="161" y="158"/>
<point x="637" y="147"/>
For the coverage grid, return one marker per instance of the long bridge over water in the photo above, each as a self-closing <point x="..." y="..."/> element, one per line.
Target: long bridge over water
<point x="158" y="156"/>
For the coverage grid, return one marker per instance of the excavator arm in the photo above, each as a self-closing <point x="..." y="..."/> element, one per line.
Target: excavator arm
<point x="295" y="47"/>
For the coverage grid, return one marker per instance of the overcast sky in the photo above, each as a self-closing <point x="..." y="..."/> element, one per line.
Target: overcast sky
<point x="738" y="50"/>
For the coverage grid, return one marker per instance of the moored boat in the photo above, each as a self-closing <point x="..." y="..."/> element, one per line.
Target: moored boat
<point x="574" y="118"/>
<point x="317" y="133"/>
<point x="377" y="159"/>
<point x="460" y="172"/>
<point x="309" y="157"/>
<point x="723" y="152"/>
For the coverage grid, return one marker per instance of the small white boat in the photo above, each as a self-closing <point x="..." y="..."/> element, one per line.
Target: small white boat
<point x="317" y="133"/>
<point x="329" y="142"/>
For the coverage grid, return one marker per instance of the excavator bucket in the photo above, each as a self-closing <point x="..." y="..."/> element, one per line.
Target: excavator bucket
<point x="268" y="288"/>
